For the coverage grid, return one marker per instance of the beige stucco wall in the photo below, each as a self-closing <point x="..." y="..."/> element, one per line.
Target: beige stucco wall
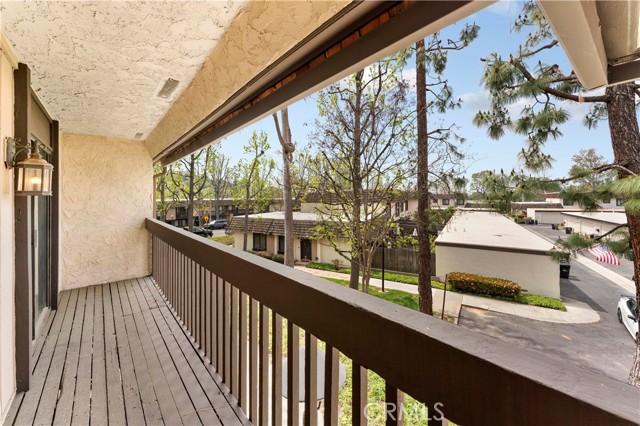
<point x="7" y="323"/>
<point x="538" y="274"/>
<point x="261" y="33"/>
<point x="106" y="193"/>
<point x="326" y="252"/>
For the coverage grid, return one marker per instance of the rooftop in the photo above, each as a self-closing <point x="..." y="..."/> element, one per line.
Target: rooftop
<point x="617" y="218"/>
<point x="489" y="229"/>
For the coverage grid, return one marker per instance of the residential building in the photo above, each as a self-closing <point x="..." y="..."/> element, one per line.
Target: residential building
<point x="266" y="233"/>
<point x="605" y="203"/>
<point x="108" y="315"/>
<point x="227" y="208"/>
<point x="406" y="204"/>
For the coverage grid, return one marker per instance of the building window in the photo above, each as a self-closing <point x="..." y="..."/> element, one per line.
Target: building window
<point x="406" y="206"/>
<point x="445" y="201"/>
<point x="259" y="242"/>
<point x="280" y="244"/>
<point x="619" y="201"/>
<point x="460" y="201"/>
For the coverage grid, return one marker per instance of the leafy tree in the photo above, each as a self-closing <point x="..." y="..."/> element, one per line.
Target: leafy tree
<point x="525" y="76"/>
<point x="188" y="178"/>
<point x="252" y="189"/>
<point x="284" y="136"/>
<point x="220" y="177"/>
<point x="363" y="135"/>
<point x="440" y="143"/>
<point x="582" y="170"/>
<point x="163" y="204"/>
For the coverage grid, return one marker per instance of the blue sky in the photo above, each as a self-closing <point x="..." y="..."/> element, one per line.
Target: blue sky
<point x="464" y="71"/>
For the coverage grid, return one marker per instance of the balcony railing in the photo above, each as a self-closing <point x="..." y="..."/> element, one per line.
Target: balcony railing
<point x="234" y="304"/>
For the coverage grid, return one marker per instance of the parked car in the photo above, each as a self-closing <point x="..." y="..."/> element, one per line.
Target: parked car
<point x="628" y="314"/>
<point x="217" y="224"/>
<point x="200" y="231"/>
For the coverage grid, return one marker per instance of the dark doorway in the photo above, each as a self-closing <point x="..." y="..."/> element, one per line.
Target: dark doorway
<point x="305" y="249"/>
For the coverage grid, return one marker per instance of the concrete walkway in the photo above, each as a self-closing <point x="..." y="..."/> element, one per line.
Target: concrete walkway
<point x="577" y="312"/>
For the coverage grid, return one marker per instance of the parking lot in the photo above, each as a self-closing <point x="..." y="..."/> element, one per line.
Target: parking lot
<point x="604" y="347"/>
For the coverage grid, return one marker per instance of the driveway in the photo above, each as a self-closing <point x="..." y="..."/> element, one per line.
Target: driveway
<point x="604" y="347"/>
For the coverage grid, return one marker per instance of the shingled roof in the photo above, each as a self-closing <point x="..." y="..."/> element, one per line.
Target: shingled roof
<point x="273" y="223"/>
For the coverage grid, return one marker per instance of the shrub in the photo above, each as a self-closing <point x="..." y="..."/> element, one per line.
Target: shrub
<point x="336" y="263"/>
<point x="477" y="284"/>
<point x="321" y="266"/>
<point x="278" y="258"/>
<point x="520" y="221"/>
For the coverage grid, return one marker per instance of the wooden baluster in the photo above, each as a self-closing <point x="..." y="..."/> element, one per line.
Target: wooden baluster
<point x="206" y="313"/>
<point x="213" y="320"/>
<point x="264" y="365"/>
<point x="219" y="325"/>
<point x="226" y="288"/>
<point x="358" y="395"/>
<point x="394" y="405"/>
<point x="331" y="378"/>
<point x="243" y="376"/>
<point x="234" y="342"/>
<point x="276" y="367"/>
<point x="253" y="362"/>
<point x="310" y="380"/>
<point x="293" y="373"/>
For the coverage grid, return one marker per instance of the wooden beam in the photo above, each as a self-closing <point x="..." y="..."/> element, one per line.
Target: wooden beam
<point x="23" y="237"/>
<point x="55" y="216"/>
<point x="390" y="27"/>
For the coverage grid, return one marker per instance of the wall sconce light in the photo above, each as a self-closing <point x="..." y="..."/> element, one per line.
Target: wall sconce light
<point x="34" y="173"/>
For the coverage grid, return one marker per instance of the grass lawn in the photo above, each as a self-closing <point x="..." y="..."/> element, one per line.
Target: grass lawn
<point x="525" y="299"/>
<point x="224" y="239"/>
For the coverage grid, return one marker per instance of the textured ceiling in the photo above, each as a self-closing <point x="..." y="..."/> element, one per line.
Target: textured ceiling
<point x="99" y="66"/>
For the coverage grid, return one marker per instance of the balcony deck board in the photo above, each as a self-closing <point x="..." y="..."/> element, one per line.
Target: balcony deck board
<point x="116" y="354"/>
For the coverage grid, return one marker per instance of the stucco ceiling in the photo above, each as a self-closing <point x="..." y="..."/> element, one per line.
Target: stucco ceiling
<point x="98" y="66"/>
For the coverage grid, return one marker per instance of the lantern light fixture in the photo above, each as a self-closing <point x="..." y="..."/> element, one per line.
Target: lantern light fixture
<point x="35" y="174"/>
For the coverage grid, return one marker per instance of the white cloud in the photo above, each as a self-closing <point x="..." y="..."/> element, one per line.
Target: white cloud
<point x="505" y="7"/>
<point x="476" y="101"/>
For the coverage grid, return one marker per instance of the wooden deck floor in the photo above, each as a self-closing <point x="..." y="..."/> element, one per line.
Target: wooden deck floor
<point x="115" y="354"/>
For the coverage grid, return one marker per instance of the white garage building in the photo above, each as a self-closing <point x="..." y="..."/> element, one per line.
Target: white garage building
<point x="489" y="244"/>
<point x="597" y="223"/>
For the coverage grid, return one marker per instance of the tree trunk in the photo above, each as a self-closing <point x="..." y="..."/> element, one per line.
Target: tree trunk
<point x="287" y="151"/>
<point x="356" y="178"/>
<point x="190" y="199"/>
<point x="246" y="219"/>
<point x="355" y="274"/>
<point x="424" y="246"/>
<point x="625" y="139"/>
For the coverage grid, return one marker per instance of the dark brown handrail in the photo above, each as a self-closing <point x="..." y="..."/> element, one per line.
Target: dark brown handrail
<point x="477" y="379"/>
